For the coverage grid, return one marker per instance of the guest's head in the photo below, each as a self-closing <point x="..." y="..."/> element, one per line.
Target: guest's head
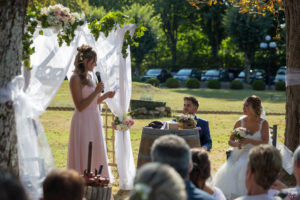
<point x="10" y="187"/>
<point x="174" y="151"/>
<point x="190" y="105"/>
<point x="201" y="167"/>
<point x="63" y="185"/>
<point x="263" y="168"/>
<point x="252" y="106"/>
<point x="85" y="60"/>
<point x="296" y="159"/>
<point x="158" y="182"/>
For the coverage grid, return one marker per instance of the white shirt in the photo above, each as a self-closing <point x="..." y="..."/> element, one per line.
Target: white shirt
<point x="218" y="194"/>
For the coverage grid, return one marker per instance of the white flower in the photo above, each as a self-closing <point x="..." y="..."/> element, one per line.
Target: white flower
<point x="65" y="20"/>
<point x="242" y="133"/>
<point x="72" y="21"/>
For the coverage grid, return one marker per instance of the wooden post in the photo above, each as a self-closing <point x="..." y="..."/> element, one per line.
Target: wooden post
<point x="89" y="157"/>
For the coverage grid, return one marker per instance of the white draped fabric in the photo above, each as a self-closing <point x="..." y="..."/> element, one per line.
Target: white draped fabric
<point x="32" y="92"/>
<point x="116" y="73"/>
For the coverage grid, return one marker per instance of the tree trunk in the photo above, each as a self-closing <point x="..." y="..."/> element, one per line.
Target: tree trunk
<point x="292" y="17"/>
<point x="247" y="67"/>
<point x="12" y="16"/>
<point x="174" y="51"/>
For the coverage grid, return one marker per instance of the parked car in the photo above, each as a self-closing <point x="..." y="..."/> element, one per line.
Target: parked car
<point x="211" y="74"/>
<point x="254" y="74"/>
<point x="280" y="74"/>
<point x="161" y="74"/>
<point x="185" y="74"/>
<point x="229" y="74"/>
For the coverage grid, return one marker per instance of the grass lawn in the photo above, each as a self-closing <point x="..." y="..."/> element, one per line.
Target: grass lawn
<point x="57" y="123"/>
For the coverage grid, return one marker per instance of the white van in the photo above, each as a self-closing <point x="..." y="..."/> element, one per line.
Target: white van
<point x="280" y="74"/>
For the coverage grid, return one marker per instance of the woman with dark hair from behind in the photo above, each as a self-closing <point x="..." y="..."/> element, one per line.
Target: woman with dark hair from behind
<point x="63" y="185"/>
<point x="10" y="187"/>
<point x="201" y="172"/>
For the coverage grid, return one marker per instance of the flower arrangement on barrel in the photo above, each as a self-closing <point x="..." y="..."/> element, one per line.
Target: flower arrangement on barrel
<point x="185" y="121"/>
<point x="124" y="125"/>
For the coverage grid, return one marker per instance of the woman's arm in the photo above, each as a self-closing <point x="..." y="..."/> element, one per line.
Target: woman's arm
<point x="109" y="94"/>
<point x="80" y="103"/>
<point x="264" y="136"/>
<point x="231" y="141"/>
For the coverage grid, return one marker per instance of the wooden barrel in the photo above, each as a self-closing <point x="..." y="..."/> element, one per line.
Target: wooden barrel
<point x="191" y="136"/>
<point x="98" y="192"/>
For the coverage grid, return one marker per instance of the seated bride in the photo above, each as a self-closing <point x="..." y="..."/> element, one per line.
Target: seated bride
<point x="249" y="131"/>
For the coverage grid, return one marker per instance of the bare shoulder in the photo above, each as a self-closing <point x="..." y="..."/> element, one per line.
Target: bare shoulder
<point x="238" y="123"/>
<point x="74" y="79"/>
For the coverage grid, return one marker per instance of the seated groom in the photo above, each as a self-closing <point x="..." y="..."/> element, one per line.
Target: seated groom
<point x="190" y="106"/>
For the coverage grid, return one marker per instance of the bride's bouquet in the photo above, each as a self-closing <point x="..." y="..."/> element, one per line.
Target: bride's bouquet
<point x="239" y="133"/>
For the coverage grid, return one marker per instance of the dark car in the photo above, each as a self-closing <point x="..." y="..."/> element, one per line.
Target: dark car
<point x="254" y="74"/>
<point x="161" y="74"/>
<point x="229" y="74"/>
<point x="185" y="74"/>
<point x="211" y="74"/>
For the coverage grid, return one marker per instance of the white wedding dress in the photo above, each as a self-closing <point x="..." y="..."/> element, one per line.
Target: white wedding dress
<point x="230" y="178"/>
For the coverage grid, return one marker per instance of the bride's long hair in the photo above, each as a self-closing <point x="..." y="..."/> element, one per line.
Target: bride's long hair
<point x="84" y="52"/>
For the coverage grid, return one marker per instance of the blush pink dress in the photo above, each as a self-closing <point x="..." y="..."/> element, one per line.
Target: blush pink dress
<point x="85" y="127"/>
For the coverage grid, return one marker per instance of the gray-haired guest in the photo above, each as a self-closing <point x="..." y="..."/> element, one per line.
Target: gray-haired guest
<point x="174" y="151"/>
<point x="158" y="181"/>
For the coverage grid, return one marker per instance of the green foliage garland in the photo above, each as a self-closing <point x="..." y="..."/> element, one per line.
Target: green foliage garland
<point x="66" y="32"/>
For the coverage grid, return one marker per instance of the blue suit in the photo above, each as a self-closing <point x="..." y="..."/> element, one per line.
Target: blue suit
<point x="194" y="193"/>
<point x="204" y="133"/>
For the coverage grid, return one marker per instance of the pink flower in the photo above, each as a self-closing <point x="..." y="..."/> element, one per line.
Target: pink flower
<point x="56" y="12"/>
<point x="126" y="122"/>
<point x="131" y="122"/>
<point x="60" y="19"/>
<point x="62" y="14"/>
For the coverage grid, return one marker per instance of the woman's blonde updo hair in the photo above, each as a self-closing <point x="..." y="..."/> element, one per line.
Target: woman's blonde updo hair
<point x="256" y="104"/>
<point x="84" y="52"/>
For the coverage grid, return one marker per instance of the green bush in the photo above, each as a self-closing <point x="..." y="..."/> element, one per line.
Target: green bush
<point x="192" y="83"/>
<point x="236" y="85"/>
<point x="258" y="85"/>
<point x="172" y="83"/>
<point x="153" y="81"/>
<point x="214" y="84"/>
<point x="280" y="86"/>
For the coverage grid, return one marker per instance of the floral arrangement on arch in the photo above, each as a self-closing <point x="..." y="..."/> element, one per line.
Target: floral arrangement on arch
<point x="124" y="125"/>
<point x="59" y="18"/>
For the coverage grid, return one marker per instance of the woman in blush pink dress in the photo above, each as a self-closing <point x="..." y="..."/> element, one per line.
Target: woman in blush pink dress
<point x="86" y="125"/>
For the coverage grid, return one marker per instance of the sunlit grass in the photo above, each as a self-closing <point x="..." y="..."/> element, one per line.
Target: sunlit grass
<point x="57" y="123"/>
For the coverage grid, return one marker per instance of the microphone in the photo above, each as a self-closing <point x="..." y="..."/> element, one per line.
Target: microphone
<point x="99" y="79"/>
